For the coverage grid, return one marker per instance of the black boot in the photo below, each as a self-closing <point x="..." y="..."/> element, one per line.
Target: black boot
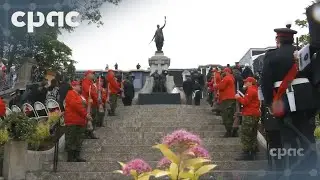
<point x="91" y="135"/>
<point x="78" y="158"/>
<point x="227" y="134"/>
<point x="71" y="156"/>
<point x="235" y="132"/>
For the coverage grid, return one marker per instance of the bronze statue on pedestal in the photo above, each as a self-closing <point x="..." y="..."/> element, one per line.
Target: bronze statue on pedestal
<point x="158" y="37"/>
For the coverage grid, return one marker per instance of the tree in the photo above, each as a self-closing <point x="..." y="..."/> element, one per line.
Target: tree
<point x="43" y="45"/>
<point x="304" y="39"/>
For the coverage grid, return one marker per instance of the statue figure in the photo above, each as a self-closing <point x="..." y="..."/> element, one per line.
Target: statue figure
<point x="163" y="79"/>
<point x="138" y="66"/>
<point x="116" y="66"/>
<point x="158" y="36"/>
<point x="107" y="67"/>
<point x="156" y="85"/>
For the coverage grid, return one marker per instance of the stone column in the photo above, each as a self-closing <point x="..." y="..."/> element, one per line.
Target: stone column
<point x="14" y="162"/>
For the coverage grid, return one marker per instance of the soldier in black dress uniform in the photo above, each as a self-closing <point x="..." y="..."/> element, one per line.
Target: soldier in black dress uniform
<point x="297" y="123"/>
<point x="271" y="125"/>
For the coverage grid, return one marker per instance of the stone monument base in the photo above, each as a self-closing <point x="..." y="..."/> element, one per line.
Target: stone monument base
<point x="159" y="98"/>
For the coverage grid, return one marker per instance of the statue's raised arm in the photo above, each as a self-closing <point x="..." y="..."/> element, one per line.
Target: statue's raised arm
<point x="165" y="22"/>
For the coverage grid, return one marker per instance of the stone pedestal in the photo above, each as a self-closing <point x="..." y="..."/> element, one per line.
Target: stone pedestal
<point x="14" y="162"/>
<point x="24" y="72"/>
<point x="159" y="62"/>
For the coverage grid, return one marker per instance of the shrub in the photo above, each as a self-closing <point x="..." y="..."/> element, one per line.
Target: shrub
<point x="185" y="158"/>
<point x="18" y="126"/>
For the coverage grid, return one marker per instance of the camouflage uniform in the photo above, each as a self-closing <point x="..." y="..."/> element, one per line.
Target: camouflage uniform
<point x="249" y="130"/>
<point x="74" y="137"/>
<point x="113" y="103"/>
<point x="228" y="108"/>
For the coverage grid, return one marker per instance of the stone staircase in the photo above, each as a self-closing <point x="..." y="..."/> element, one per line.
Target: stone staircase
<point x="132" y="133"/>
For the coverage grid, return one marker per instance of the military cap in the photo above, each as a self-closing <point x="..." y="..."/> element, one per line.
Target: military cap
<point x="285" y="32"/>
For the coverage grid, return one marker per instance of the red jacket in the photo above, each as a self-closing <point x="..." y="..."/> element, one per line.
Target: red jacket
<point x="75" y="111"/>
<point x="113" y="85"/>
<point x="86" y="84"/>
<point x="226" y="88"/>
<point x="217" y="77"/>
<point x="250" y="102"/>
<point x="2" y="108"/>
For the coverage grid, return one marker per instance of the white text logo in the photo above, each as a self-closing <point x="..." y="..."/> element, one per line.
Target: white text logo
<point x="31" y="24"/>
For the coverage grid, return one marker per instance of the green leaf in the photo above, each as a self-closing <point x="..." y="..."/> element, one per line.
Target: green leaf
<point x="121" y="164"/>
<point x="118" y="171"/>
<point x="144" y="176"/>
<point x="162" y="173"/>
<point x="205" y="169"/>
<point x="195" y="161"/>
<point x="167" y="153"/>
<point x="134" y="173"/>
<point x="187" y="175"/>
<point x="174" y="169"/>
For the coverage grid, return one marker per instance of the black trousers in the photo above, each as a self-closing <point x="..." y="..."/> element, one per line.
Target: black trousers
<point x="297" y="132"/>
<point x="197" y="98"/>
<point x="127" y="101"/>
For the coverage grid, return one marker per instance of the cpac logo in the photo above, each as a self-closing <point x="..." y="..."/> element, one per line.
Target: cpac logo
<point x="31" y="24"/>
<point x="281" y="152"/>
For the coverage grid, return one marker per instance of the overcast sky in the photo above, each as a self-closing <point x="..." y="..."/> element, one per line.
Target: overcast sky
<point x="206" y="32"/>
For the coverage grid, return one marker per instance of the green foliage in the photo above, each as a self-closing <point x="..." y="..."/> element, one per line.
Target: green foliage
<point x="18" y="126"/>
<point x="41" y="133"/>
<point x="304" y="39"/>
<point x="317" y="133"/>
<point x="43" y="45"/>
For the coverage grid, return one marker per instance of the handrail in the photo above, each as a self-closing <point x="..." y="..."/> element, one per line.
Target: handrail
<point x="56" y="146"/>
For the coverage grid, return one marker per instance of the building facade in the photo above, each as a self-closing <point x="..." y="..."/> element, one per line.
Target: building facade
<point x="252" y="54"/>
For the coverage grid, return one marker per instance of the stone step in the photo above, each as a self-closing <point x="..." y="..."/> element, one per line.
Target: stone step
<point x="200" y="130"/>
<point x="164" y="116"/>
<point x="140" y="139"/>
<point x="141" y="149"/>
<point x="116" y="124"/>
<point x="102" y="134"/>
<point x="155" y="156"/>
<point x="214" y="175"/>
<point x="113" y="165"/>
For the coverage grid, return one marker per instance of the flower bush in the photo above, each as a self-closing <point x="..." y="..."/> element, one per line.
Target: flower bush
<point x="17" y="127"/>
<point x="184" y="158"/>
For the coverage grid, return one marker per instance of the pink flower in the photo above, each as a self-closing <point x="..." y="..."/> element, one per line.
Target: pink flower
<point x="181" y="137"/>
<point x="138" y="165"/>
<point x="199" y="151"/>
<point x="164" y="163"/>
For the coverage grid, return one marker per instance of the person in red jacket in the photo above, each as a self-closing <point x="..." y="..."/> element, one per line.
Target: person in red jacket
<point x="226" y="96"/>
<point x="251" y="114"/>
<point x="90" y="93"/>
<point x="75" y="117"/>
<point x="114" y="89"/>
<point x="101" y="101"/>
<point x="2" y="108"/>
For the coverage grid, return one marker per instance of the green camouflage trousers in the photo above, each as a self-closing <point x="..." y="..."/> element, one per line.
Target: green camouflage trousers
<point x="95" y="116"/>
<point x="228" y="108"/>
<point x="249" y="128"/>
<point x="113" y="102"/>
<point x="74" y="137"/>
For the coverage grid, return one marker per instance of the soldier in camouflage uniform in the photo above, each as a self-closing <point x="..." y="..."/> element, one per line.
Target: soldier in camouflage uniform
<point x="251" y="116"/>
<point x="227" y="92"/>
<point x="75" y="117"/>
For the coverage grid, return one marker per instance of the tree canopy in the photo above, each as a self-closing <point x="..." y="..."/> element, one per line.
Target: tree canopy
<point x="303" y="23"/>
<point x="43" y="45"/>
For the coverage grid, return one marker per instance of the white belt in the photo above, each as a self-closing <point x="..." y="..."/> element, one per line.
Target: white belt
<point x="294" y="82"/>
<point x="290" y="93"/>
